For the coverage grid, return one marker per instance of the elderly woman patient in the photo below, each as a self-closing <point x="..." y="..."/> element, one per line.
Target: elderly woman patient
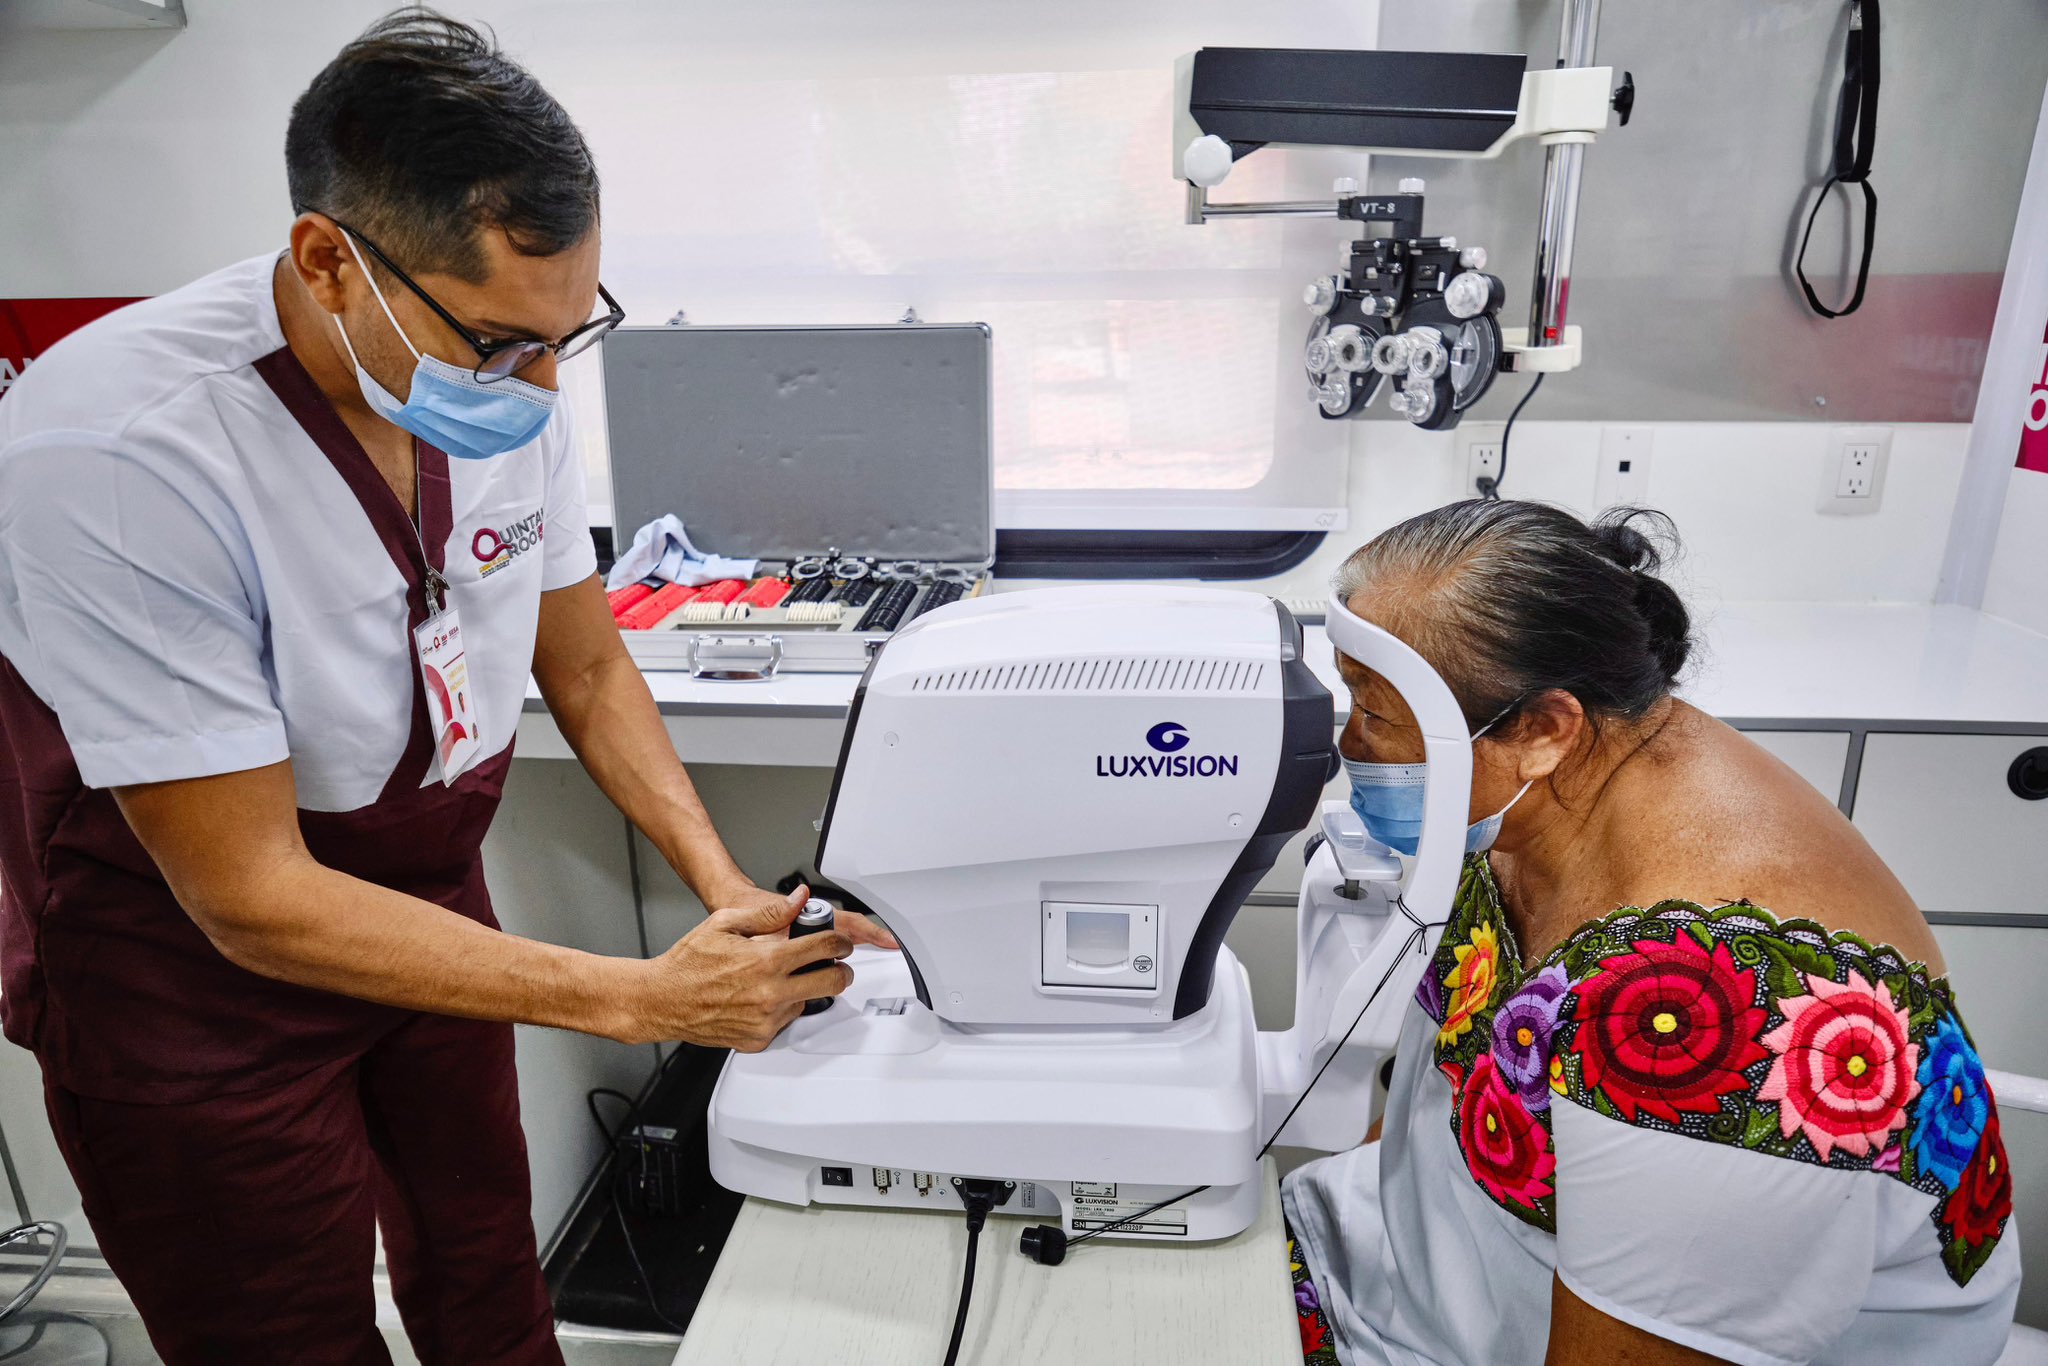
<point x="1684" y="1080"/>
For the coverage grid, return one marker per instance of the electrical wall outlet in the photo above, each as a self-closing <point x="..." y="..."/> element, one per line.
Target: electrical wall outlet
<point x="1480" y="444"/>
<point x="1624" y="474"/>
<point x="1853" y="470"/>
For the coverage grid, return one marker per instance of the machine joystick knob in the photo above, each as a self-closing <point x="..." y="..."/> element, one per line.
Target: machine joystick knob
<point x="816" y="917"/>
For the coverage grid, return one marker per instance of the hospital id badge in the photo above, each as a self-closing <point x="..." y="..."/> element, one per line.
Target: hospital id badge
<point x="451" y="709"/>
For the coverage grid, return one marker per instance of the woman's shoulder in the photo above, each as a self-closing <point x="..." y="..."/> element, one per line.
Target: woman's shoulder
<point x="1719" y="818"/>
<point x="1725" y="1024"/>
<point x="1790" y="1039"/>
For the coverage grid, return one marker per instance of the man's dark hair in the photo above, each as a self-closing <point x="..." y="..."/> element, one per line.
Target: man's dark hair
<point x="421" y="134"/>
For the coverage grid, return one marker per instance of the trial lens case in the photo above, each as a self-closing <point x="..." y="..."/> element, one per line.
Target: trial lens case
<point x="781" y="444"/>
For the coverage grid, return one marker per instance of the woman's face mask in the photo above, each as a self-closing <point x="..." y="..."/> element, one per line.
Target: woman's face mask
<point x="1388" y="799"/>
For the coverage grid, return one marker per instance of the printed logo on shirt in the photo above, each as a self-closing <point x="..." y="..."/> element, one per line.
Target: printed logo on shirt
<point x="496" y="548"/>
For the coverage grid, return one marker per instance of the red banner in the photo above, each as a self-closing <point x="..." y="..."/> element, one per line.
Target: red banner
<point x="2034" y="435"/>
<point x="29" y="327"/>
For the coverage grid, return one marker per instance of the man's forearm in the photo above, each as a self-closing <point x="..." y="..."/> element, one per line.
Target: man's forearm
<point x="315" y="927"/>
<point x="610" y="720"/>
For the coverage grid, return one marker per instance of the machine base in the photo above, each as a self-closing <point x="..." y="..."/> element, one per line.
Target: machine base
<point x="877" y="1102"/>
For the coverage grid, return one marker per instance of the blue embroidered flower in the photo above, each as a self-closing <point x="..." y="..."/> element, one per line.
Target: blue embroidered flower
<point x="1954" y="1103"/>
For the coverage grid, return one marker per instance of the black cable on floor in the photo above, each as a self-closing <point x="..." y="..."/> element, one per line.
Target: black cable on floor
<point x="1489" y="489"/>
<point x="611" y="1140"/>
<point x="966" y="1295"/>
<point x="978" y="1196"/>
<point x="640" y="1268"/>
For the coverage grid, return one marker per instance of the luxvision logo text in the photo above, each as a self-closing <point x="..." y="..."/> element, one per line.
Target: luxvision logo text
<point x="1168" y="738"/>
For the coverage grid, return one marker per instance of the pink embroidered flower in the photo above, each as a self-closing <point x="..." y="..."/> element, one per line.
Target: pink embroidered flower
<point x="1506" y="1150"/>
<point x="1888" y="1160"/>
<point x="1844" y="1071"/>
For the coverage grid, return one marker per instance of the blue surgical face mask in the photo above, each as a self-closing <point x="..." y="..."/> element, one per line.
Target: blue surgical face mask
<point x="1389" y="798"/>
<point x="450" y="408"/>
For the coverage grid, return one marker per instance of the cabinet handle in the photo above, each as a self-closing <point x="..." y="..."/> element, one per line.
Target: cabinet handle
<point x="2028" y="776"/>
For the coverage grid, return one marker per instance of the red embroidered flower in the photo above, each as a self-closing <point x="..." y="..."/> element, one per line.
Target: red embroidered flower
<point x="1982" y="1201"/>
<point x="1506" y="1150"/>
<point x="1668" y="1027"/>
<point x="1315" y="1333"/>
<point x="1845" y="1066"/>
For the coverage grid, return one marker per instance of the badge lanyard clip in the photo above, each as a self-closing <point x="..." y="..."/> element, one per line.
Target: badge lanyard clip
<point x="435" y="587"/>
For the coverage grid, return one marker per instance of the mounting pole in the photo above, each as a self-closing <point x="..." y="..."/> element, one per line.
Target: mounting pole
<point x="1558" y="221"/>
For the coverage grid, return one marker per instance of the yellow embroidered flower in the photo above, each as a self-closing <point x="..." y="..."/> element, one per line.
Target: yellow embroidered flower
<point x="1557" y="1081"/>
<point x="1471" y="983"/>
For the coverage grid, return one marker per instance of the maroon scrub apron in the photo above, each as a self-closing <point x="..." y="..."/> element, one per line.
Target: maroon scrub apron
<point x="234" y="1137"/>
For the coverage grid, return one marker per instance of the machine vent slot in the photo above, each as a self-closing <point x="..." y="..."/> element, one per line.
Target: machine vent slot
<point x="1127" y="674"/>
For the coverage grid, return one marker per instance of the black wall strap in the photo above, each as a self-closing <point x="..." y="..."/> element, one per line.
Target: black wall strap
<point x="1855" y="141"/>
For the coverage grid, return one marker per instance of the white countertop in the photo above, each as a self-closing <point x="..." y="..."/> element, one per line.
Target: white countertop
<point x="1832" y="664"/>
<point x="862" y="1287"/>
<point x="1947" y="666"/>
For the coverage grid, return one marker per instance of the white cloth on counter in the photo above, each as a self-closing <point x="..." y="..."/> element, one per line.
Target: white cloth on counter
<point x="662" y="550"/>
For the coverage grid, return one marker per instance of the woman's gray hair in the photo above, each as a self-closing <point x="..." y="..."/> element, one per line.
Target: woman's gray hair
<point x="1510" y="599"/>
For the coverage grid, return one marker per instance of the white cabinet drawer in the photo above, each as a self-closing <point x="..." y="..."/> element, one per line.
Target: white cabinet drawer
<point x="1996" y="971"/>
<point x="1819" y="756"/>
<point x="1938" y="810"/>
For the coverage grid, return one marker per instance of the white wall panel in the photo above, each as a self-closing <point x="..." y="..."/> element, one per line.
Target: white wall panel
<point x="2018" y="587"/>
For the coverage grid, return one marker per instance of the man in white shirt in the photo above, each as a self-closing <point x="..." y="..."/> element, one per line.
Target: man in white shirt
<point x="277" y="553"/>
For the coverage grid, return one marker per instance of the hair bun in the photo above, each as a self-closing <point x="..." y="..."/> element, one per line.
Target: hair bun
<point x="1626" y="546"/>
<point x="1643" y="555"/>
<point x="1670" y="624"/>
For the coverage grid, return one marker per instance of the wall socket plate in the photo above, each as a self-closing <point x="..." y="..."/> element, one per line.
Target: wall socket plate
<point x="1479" y="449"/>
<point x="1853" y="469"/>
<point x="1624" y="473"/>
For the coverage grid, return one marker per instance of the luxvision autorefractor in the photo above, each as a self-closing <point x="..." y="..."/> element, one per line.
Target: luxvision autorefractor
<point x="1099" y="776"/>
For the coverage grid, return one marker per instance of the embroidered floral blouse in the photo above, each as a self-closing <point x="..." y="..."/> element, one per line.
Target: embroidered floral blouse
<point x="1765" y="1139"/>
